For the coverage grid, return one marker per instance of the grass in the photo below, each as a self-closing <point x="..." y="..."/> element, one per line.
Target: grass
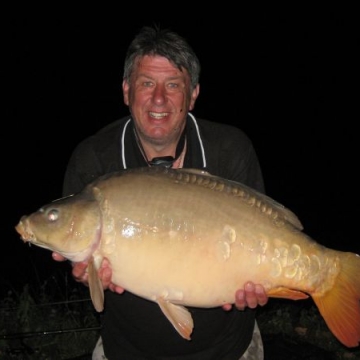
<point x="48" y="323"/>
<point x="57" y="321"/>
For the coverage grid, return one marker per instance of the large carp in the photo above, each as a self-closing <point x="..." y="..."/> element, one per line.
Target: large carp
<point x="187" y="238"/>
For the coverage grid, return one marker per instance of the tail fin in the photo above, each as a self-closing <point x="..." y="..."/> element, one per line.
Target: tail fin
<point x="340" y="307"/>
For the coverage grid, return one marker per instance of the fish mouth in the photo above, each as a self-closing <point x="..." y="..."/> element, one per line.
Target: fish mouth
<point x="24" y="232"/>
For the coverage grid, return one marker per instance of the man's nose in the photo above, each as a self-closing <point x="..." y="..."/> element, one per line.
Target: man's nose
<point x="159" y="95"/>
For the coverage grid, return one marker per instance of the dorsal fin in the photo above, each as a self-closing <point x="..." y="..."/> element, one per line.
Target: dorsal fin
<point x="266" y="204"/>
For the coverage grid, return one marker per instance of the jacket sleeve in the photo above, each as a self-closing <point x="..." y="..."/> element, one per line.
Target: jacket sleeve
<point x="94" y="156"/>
<point x="83" y="167"/>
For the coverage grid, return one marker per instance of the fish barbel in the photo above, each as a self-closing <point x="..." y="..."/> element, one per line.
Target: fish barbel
<point x="186" y="238"/>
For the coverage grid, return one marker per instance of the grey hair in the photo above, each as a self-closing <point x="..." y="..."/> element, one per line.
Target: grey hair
<point x="163" y="42"/>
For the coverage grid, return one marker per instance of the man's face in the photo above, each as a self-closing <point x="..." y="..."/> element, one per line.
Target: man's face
<point x="159" y="98"/>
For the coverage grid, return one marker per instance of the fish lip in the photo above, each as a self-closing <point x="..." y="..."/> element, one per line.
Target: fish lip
<point x="24" y="232"/>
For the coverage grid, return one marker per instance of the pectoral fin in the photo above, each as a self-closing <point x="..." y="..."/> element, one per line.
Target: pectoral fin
<point x="286" y="293"/>
<point x="179" y="317"/>
<point x="95" y="286"/>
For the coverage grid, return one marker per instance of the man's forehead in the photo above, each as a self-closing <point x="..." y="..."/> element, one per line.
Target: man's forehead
<point x="157" y="63"/>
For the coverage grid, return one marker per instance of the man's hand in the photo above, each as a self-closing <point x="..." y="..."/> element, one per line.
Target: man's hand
<point x="251" y="296"/>
<point x="79" y="272"/>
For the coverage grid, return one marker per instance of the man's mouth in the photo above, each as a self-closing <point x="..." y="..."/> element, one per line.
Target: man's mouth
<point x="158" y="115"/>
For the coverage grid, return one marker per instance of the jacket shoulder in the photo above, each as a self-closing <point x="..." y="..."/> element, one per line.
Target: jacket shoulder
<point x="105" y="137"/>
<point x="223" y="135"/>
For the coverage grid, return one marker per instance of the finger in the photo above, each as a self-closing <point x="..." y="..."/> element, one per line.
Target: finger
<point x="261" y="295"/>
<point x="115" y="288"/>
<point x="250" y="295"/>
<point x="227" y="307"/>
<point x="240" y="300"/>
<point x="57" y="257"/>
<point x="79" y="271"/>
<point x="105" y="276"/>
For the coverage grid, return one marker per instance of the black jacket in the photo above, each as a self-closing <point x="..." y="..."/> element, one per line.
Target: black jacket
<point x="134" y="328"/>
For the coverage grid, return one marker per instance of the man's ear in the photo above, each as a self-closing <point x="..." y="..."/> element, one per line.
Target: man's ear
<point x="125" y="88"/>
<point x="194" y="95"/>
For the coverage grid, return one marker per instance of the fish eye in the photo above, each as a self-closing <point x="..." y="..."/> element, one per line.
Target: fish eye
<point x="53" y="214"/>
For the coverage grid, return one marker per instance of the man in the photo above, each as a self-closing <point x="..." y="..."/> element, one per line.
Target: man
<point x="160" y="87"/>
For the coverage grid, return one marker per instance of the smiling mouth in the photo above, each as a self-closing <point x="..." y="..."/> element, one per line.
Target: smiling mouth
<point x="158" y="115"/>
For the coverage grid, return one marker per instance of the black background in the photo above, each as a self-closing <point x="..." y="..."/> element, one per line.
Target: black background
<point x="288" y="78"/>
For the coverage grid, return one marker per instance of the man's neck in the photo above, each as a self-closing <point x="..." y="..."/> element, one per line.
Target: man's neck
<point x="151" y="150"/>
<point x="154" y="150"/>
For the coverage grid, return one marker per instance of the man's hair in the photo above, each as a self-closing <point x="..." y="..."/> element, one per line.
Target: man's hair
<point x="162" y="42"/>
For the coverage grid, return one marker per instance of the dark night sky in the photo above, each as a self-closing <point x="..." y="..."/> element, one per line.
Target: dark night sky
<point x="286" y="78"/>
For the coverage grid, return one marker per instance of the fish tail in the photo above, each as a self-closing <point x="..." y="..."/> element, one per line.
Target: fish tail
<point x="340" y="306"/>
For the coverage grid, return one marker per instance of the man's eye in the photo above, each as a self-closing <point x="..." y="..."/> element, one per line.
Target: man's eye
<point x="173" y="85"/>
<point x="147" y="84"/>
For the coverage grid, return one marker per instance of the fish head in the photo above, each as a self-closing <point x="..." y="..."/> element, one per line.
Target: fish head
<point x="70" y="226"/>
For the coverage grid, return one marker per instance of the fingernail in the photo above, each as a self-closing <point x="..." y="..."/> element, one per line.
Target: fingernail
<point x="249" y="287"/>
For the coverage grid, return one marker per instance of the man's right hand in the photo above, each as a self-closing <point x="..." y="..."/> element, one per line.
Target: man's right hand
<point x="79" y="272"/>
